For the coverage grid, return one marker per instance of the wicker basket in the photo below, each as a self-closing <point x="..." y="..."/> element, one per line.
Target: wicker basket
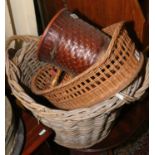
<point x="112" y="73"/>
<point x="80" y="128"/>
<point x="71" y="43"/>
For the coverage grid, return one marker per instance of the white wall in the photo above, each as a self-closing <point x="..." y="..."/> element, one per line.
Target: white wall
<point x="24" y="17"/>
<point x="8" y="24"/>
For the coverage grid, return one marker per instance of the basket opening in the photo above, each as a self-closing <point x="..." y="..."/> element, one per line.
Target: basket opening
<point x="79" y="86"/>
<point x="98" y="82"/>
<point x="102" y="78"/>
<point x="107" y="75"/>
<point x="108" y="66"/>
<point x="92" y="77"/>
<point x="112" y="61"/>
<point x="98" y="73"/>
<point x="87" y="88"/>
<point x="113" y="71"/>
<point x="74" y="88"/>
<point x="93" y="86"/>
<point x="124" y="58"/>
<point x="83" y="90"/>
<point x="121" y="62"/>
<point x="79" y="92"/>
<point x="88" y="81"/>
<point x="83" y="83"/>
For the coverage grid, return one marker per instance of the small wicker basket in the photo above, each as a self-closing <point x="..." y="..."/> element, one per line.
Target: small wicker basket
<point x="80" y="128"/>
<point x="117" y="68"/>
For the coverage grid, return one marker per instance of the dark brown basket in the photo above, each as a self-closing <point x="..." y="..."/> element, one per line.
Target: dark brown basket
<point x="71" y="43"/>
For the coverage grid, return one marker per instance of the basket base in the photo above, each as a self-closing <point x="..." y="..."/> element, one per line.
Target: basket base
<point x="80" y="140"/>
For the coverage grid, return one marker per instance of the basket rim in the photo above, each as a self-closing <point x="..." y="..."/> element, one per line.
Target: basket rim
<point x="118" y="27"/>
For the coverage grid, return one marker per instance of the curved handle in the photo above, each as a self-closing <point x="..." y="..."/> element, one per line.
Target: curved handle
<point x="111" y="29"/>
<point x="56" y="77"/>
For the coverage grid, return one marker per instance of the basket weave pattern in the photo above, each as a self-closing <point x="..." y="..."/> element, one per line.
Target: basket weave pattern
<point x="71" y="43"/>
<point x="80" y="128"/>
<point x="30" y="64"/>
<point x="111" y="74"/>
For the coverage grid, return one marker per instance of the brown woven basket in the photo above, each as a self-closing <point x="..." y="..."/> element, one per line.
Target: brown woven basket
<point x="112" y="73"/>
<point x="71" y="43"/>
<point x="80" y="128"/>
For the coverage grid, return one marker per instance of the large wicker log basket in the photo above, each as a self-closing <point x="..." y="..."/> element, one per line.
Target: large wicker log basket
<point x="82" y="127"/>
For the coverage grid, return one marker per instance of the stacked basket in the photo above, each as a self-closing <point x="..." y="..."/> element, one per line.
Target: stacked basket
<point x="96" y="94"/>
<point x="109" y="75"/>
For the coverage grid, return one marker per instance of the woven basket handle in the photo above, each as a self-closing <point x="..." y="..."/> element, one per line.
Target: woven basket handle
<point x="25" y="38"/>
<point x="111" y="29"/>
<point x="56" y="77"/>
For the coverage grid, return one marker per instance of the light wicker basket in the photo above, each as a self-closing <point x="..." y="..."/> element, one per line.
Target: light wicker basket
<point x="80" y="128"/>
<point x="114" y="71"/>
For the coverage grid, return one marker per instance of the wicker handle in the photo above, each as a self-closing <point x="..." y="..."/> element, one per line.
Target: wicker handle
<point x="25" y="38"/>
<point x="56" y="78"/>
<point x="111" y="29"/>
